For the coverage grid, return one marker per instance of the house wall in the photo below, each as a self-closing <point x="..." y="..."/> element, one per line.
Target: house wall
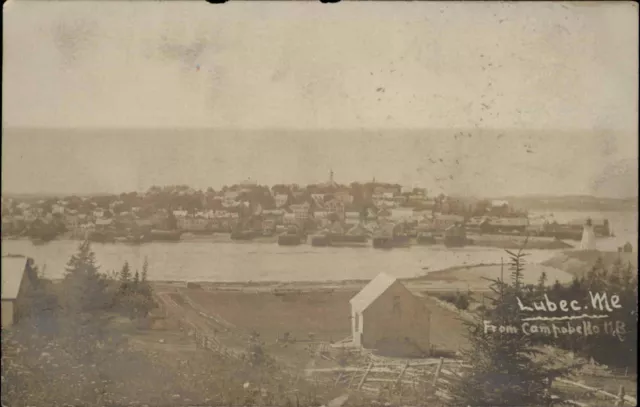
<point x="396" y="321"/>
<point x="22" y="305"/>
<point x="7" y="313"/>
<point x="356" y="327"/>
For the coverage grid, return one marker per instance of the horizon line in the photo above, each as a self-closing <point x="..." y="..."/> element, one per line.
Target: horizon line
<point x="530" y="196"/>
<point x="315" y="129"/>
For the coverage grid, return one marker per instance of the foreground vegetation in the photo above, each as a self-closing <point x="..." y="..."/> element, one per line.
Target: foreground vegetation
<point x="505" y="368"/>
<point x="68" y="351"/>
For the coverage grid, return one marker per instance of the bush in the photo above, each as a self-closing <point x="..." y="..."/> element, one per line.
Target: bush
<point x="460" y="300"/>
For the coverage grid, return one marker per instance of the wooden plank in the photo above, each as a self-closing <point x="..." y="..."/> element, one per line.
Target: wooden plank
<point x="630" y="399"/>
<point x="338" y="379"/>
<point x="366" y="373"/>
<point x="402" y="372"/>
<point x="576" y="403"/>
<point x="443" y="395"/>
<point x="438" y="368"/>
<point x="353" y="377"/>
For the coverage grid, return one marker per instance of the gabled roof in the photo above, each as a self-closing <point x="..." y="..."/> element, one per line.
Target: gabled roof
<point x="372" y="291"/>
<point x="13" y="270"/>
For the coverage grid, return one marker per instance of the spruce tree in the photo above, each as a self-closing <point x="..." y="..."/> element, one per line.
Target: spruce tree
<point x="501" y="368"/>
<point x="125" y="273"/>
<point x="125" y="278"/>
<point x="136" y="281"/>
<point x="145" y="290"/>
<point x="542" y="282"/>
<point x="84" y="286"/>
<point x="144" y="283"/>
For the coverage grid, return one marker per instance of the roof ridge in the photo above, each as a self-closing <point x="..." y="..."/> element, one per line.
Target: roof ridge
<point x="374" y="289"/>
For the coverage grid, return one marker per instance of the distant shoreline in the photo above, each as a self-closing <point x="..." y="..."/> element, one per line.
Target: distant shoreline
<point x="484" y="240"/>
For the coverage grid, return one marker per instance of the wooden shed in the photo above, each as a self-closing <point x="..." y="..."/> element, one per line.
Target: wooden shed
<point x="17" y="280"/>
<point x="387" y="317"/>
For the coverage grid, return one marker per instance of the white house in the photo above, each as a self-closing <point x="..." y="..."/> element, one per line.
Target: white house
<point x="180" y="213"/>
<point x="281" y="200"/>
<point x="289" y="219"/>
<point x="387" y="317"/>
<point x="301" y="211"/>
<point x="352" y="218"/>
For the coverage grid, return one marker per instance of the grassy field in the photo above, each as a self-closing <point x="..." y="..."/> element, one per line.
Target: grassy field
<point x="325" y="315"/>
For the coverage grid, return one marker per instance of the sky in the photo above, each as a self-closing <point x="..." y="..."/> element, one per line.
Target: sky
<point x="113" y="96"/>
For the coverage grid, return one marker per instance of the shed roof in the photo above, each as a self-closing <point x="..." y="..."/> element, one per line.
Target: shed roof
<point x="372" y="291"/>
<point x="12" y="273"/>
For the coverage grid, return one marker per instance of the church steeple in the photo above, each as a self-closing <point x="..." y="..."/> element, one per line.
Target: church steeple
<point x="331" y="176"/>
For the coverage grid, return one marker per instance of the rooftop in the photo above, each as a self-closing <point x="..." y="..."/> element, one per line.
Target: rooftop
<point x="372" y="291"/>
<point x="12" y="272"/>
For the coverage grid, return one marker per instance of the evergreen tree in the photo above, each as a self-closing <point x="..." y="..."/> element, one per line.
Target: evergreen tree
<point x="145" y="288"/>
<point x="125" y="277"/>
<point x="136" y="280"/>
<point x="125" y="273"/>
<point x="542" y="282"/>
<point x="83" y="285"/>
<point x="501" y="367"/>
<point x="145" y="300"/>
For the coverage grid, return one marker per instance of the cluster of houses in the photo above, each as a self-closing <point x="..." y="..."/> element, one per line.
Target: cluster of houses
<point x="223" y="211"/>
<point x="249" y="206"/>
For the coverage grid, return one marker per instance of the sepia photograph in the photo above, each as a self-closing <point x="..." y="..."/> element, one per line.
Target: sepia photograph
<point x="298" y="204"/>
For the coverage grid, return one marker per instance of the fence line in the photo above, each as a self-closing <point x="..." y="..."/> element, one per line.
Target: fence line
<point x="202" y="339"/>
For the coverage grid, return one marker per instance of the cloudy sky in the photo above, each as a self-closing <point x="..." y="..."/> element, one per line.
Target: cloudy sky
<point x="282" y="92"/>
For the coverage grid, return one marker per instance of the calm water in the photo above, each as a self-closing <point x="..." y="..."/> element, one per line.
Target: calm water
<point x="205" y="261"/>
